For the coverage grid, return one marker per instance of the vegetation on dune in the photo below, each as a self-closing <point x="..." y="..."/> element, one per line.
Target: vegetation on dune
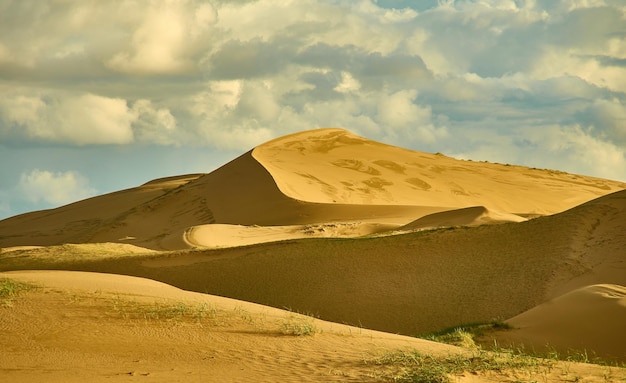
<point x="156" y="311"/>
<point x="298" y="326"/>
<point x="415" y="367"/>
<point x="9" y="289"/>
<point x="203" y="313"/>
<point x="464" y="335"/>
<point x="476" y="336"/>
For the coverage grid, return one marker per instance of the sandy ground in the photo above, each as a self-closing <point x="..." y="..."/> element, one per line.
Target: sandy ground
<point x="123" y="329"/>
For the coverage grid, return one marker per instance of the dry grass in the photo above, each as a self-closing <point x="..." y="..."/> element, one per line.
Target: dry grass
<point x="163" y="311"/>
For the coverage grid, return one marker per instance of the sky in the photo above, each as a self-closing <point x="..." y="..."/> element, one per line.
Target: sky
<point x="98" y="96"/>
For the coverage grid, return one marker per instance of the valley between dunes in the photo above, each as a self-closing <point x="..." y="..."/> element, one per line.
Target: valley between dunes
<point x="206" y="277"/>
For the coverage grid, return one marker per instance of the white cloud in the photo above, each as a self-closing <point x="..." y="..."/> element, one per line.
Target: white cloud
<point x="56" y="188"/>
<point x="573" y="144"/>
<point x="348" y="84"/>
<point x="166" y="39"/>
<point x="58" y="117"/>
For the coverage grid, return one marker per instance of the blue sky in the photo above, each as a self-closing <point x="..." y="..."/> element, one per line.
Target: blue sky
<point x="97" y="96"/>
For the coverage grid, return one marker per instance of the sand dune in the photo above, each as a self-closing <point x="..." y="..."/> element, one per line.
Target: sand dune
<point x="297" y="204"/>
<point x="313" y="177"/>
<point x="410" y="284"/>
<point x="590" y="319"/>
<point x="109" y="330"/>
<point x="241" y="192"/>
<point x="221" y="235"/>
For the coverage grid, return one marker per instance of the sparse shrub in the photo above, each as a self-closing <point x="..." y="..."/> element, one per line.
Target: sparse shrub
<point x="10" y="288"/>
<point x="298" y="326"/>
<point x="177" y="311"/>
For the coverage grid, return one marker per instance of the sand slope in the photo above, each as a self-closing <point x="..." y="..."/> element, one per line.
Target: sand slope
<point x="93" y="327"/>
<point x="240" y="192"/>
<point x="588" y="319"/>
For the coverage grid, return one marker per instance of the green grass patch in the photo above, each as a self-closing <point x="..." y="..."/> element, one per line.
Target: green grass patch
<point x="464" y="335"/>
<point x="9" y="289"/>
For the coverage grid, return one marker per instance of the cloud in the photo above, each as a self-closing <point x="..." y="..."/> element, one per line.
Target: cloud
<point x="154" y="125"/>
<point x="568" y="144"/>
<point x="54" y="188"/>
<point x="76" y="119"/>
<point x="608" y="118"/>
<point x="166" y="38"/>
<point x="470" y="77"/>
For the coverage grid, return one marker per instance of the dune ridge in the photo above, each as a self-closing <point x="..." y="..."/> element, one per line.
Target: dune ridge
<point x="469" y="216"/>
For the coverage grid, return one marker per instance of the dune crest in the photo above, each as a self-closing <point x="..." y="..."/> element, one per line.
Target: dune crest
<point x="335" y="166"/>
<point x="469" y="216"/>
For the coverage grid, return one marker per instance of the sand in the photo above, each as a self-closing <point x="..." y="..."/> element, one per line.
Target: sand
<point x="107" y="330"/>
<point x="335" y="166"/>
<point x="371" y="239"/>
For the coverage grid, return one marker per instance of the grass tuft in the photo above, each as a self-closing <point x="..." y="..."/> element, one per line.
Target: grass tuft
<point x="177" y="311"/>
<point x="298" y="326"/>
<point x="9" y="289"/>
